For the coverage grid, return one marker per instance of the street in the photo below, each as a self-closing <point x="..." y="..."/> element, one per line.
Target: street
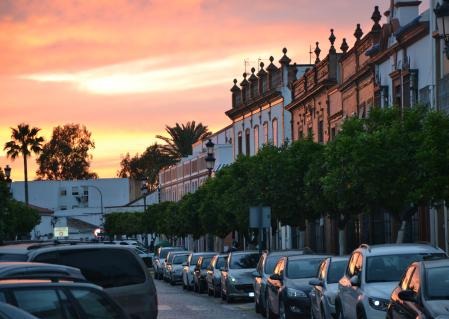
<point x="175" y="303"/>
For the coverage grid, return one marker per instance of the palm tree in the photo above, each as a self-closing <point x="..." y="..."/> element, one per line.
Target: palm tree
<point x="24" y="141"/>
<point x="181" y="137"/>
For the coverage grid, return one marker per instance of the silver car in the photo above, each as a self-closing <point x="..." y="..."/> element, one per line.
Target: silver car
<point x="237" y="275"/>
<point x="159" y="260"/>
<point x="189" y="268"/>
<point x="174" y="268"/>
<point x="325" y="287"/>
<point x="213" y="276"/>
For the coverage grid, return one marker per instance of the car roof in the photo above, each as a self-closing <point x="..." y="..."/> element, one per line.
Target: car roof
<point x="289" y="252"/>
<point x="436" y="263"/>
<point x="45" y="283"/>
<point x="393" y="249"/>
<point x="18" y="270"/>
<point x="243" y="252"/>
<point x="7" y="310"/>
<point x="305" y="257"/>
<point x="339" y="258"/>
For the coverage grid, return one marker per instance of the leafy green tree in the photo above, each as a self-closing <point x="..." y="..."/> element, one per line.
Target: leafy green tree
<point x="66" y="156"/>
<point x="19" y="219"/>
<point x="181" y="137"/>
<point x="145" y="166"/>
<point x="24" y="141"/>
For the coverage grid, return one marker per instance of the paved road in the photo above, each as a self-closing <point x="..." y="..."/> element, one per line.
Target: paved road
<point x="176" y="303"/>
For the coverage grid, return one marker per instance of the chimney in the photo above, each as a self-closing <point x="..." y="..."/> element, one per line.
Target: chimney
<point x="405" y="11"/>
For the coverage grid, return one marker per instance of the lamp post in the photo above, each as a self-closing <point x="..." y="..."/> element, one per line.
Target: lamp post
<point x="8" y="177"/>
<point x="210" y="159"/>
<point x="442" y="14"/>
<point x="144" y="190"/>
<point x="101" y="204"/>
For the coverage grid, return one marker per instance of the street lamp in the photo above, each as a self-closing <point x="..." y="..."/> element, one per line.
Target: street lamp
<point x="442" y="14"/>
<point x="101" y="203"/>
<point x="144" y="190"/>
<point x="8" y="177"/>
<point x="210" y="159"/>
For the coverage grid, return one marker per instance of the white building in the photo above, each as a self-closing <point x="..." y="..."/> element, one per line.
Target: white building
<point x="81" y="205"/>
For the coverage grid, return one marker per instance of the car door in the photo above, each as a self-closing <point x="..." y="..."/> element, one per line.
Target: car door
<point x="316" y="294"/>
<point x="349" y="291"/>
<point x="258" y="279"/>
<point x="276" y="285"/>
<point x="413" y="309"/>
<point x="396" y="309"/>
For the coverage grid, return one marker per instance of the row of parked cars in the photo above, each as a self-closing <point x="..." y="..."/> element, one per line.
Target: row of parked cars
<point x="395" y="281"/>
<point x="75" y="280"/>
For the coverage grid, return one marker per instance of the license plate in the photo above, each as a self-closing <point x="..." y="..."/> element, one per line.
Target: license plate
<point x="251" y="294"/>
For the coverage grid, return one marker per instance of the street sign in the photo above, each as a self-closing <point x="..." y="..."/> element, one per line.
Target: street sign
<point x="61" y="231"/>
<point x="260" y="217"/>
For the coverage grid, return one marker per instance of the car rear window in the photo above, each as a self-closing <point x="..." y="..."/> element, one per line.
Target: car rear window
<point x="244" y="261"/>
<point x="13" y="257"/>
<point x="271" y="263"/>
<point x="336" y="271"/>
<point x="206" y="262"/>
<point x="220" y="262"/>
<point x="104" y="267"/>
<point x="96" y="305"/>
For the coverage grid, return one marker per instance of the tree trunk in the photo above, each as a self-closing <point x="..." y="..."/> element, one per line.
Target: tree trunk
<point x="25" y="169"/>
<point x="341" y="242"/>
<point x="401" y="232"/>
<point x="302" y="238"/>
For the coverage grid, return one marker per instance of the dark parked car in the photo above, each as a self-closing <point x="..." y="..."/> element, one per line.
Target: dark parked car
<point x="159" y="260"/>
<point x="174" y="268"/>
<point x="213" y="275"/>
<point x="423" y="292"/>
<point x="168" y="260"/>
<point x="288" y="287"/>
<point x="237" y="275"/>
<point x="325" y="287"/>
<point x="189" y="268"/>
<point x="118" y="269"/>
<point x="200" y="273"/>
<point x="264" y="269"/>
<point x="49" y="291"/>
<point x="10" y="312"/>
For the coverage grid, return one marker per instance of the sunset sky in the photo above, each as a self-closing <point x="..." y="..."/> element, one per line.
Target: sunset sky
<point x="126" y="68"/>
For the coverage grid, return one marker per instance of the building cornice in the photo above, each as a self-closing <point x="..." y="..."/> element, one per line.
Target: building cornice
<point x="255" y="104"/>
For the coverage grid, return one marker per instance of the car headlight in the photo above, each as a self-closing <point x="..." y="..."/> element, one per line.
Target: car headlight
<point x="295" y="293"/>
<point x="378" y="303"/>
<point x="232" y="279"/>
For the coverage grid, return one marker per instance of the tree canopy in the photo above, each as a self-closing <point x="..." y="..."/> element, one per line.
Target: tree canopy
<point x="66" y="156"/>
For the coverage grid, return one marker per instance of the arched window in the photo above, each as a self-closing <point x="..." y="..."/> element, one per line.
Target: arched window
<point x="247" y="142"/>
<point x="239" y="144"/>
<point x="265" y="132"/>
<point x="256" y="139"/>
<point x="275" y="132"/>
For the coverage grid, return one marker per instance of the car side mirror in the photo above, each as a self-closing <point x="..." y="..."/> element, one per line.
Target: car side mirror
<point x="276" y="277"/>
<point x="407" y="295"/>
<point x="355" y="280"/>
<point x="316" y="282"/>
<point x="255" y="274"/>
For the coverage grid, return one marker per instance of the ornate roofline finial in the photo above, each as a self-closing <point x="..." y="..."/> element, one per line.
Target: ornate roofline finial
<point x="285" y="60"/>
<point x="376" y="16"/>
<point x="344" y="46"/>
<point x="317" y="53"/>
<point x="332" y="41"/>
<point x="358" y="32"/>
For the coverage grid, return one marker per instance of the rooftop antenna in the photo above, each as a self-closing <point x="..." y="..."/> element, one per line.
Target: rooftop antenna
<point x="246" y="62"/>
<point x="310" y="54"/>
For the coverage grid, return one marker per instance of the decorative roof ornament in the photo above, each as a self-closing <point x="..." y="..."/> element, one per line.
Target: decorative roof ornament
<point x="376" y="18"/>
<point x="253" y="77"/>
<point x="344" y="46"/>
<point x="358" y="32"/>
<point x="245" y="81"/>
<point x="271" y="67"/>
<point x="261" y="72"/>
<point x="235" y="88"/>
<point x="332" y="41"/>
<point x="317" y="53"/>
<point x="285" y="60"/>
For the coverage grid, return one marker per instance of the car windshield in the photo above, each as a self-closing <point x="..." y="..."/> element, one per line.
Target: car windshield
<point x="206" y="262"/>
<point x="336" y="271"/>
<point x="437" y="280"/>
<point x="391" y="267"/>
<point x="271" y="263"/>
<point x="194" y="259"/>
<point x="244" y="261"/>
<point x="165" y="252"/>
<point x="179" y="259"/>
<point x="220" y="262"/>
<point x="303" y="268"/>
